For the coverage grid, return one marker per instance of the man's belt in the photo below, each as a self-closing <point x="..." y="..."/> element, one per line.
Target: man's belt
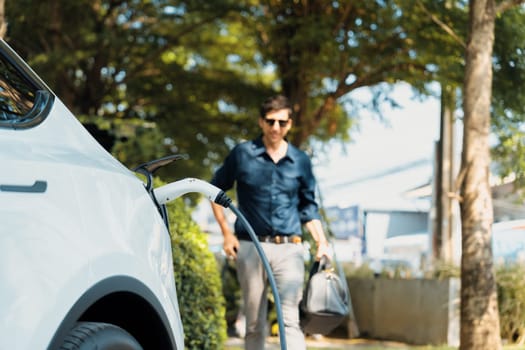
<point x="280" y="239"/>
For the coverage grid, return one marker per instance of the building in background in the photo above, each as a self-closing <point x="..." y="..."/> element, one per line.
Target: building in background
<point x="388" y="218"/>
<point x="377" y="219"/>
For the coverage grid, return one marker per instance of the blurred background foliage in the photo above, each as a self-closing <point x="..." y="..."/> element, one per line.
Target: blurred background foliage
<point x="511" y="302"/>
<point x="155" y="77"/>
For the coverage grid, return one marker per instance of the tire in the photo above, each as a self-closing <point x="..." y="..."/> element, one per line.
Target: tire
<point x="99" y="336"/>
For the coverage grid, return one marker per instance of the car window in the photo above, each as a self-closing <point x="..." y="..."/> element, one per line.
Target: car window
<point x="22" y="102"/>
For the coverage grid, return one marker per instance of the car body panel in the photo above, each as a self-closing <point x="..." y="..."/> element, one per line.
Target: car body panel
<point x="89" y="219"/>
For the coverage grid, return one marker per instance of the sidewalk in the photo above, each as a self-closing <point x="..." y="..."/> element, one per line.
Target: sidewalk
<point x="325" y="343"/>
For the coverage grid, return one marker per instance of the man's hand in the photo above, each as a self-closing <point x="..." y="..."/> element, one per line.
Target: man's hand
<point x="230" y="246"/>
<point x="323" y="249"/>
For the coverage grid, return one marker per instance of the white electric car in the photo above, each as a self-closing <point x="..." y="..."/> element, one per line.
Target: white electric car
<point x="85" y="255"/>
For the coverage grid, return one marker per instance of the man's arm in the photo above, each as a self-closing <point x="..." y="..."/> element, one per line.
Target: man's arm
<point x="316" y="230"/>
<point x="231" y="243"/>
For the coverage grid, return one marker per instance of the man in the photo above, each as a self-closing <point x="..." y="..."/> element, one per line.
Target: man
<point x="276" y="194"/>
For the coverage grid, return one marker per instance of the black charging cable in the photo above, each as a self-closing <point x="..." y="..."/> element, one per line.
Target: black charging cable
<point x="225" y="201"/>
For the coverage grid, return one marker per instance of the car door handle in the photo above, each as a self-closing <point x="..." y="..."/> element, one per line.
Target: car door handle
<point x="38" y="187"/>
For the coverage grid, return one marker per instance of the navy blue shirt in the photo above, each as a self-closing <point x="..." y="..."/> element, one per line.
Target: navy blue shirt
<point x="276" y="199"/>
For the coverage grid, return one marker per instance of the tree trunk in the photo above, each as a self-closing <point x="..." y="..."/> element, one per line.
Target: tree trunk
<point x="3" y="22"/>
<point x="480" y="327"/>
<point x="443" y="225"/>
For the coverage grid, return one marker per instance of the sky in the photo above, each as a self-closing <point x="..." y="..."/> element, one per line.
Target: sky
<point x="408" y="135"/>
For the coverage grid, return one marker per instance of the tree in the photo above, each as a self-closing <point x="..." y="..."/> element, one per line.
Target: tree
<point x="440" y="38"/>
<point x="479" y="308"/>
<point x="508" y="95"/>
<point x="323" y="50"/>
<point x="479" y="311"/>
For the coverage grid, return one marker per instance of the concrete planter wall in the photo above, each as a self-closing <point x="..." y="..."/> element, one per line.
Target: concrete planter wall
<point x="414" y="311"/>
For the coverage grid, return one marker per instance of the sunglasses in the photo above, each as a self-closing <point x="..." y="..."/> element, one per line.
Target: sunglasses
<point x="271" y="122"/>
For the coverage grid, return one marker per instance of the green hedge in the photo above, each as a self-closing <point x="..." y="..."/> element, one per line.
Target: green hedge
<point x="231" y="292"/>
<point x="198" y="282"/>
<point x="511" y="302"/>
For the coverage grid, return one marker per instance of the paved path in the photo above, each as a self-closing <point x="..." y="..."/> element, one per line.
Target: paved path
<point x="328" y="343"/>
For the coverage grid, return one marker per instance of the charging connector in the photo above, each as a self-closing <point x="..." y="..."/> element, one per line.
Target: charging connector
<point x="171" y="191"/>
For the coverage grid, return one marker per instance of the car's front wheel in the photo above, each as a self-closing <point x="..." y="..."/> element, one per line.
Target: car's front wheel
<point x="100" y="336"/>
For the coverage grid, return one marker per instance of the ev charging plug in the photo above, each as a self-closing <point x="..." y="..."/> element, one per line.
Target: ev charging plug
<point x="171" y="191"/>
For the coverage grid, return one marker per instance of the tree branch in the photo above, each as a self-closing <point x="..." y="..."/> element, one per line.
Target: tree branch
<point x="377" y="76"/>
<point x="507" y="4"/>
<point x="443" y="25"/>
<point x="343" y="19"/>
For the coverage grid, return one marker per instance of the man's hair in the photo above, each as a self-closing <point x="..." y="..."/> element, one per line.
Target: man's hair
<point x="274" y="104"/>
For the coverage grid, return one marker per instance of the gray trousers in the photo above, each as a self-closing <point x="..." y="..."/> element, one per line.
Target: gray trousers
<point x="287" y="263"/>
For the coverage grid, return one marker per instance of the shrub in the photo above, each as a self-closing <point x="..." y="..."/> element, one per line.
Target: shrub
<point x="231" y="292"/>
<point x="511" y="302"/>
<point x="198" y="282"/>
<point x="443" y="270"/>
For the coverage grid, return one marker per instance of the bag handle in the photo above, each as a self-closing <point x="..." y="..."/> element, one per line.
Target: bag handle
<point x="314" y="269"/>
<point x="320" y="265"/>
